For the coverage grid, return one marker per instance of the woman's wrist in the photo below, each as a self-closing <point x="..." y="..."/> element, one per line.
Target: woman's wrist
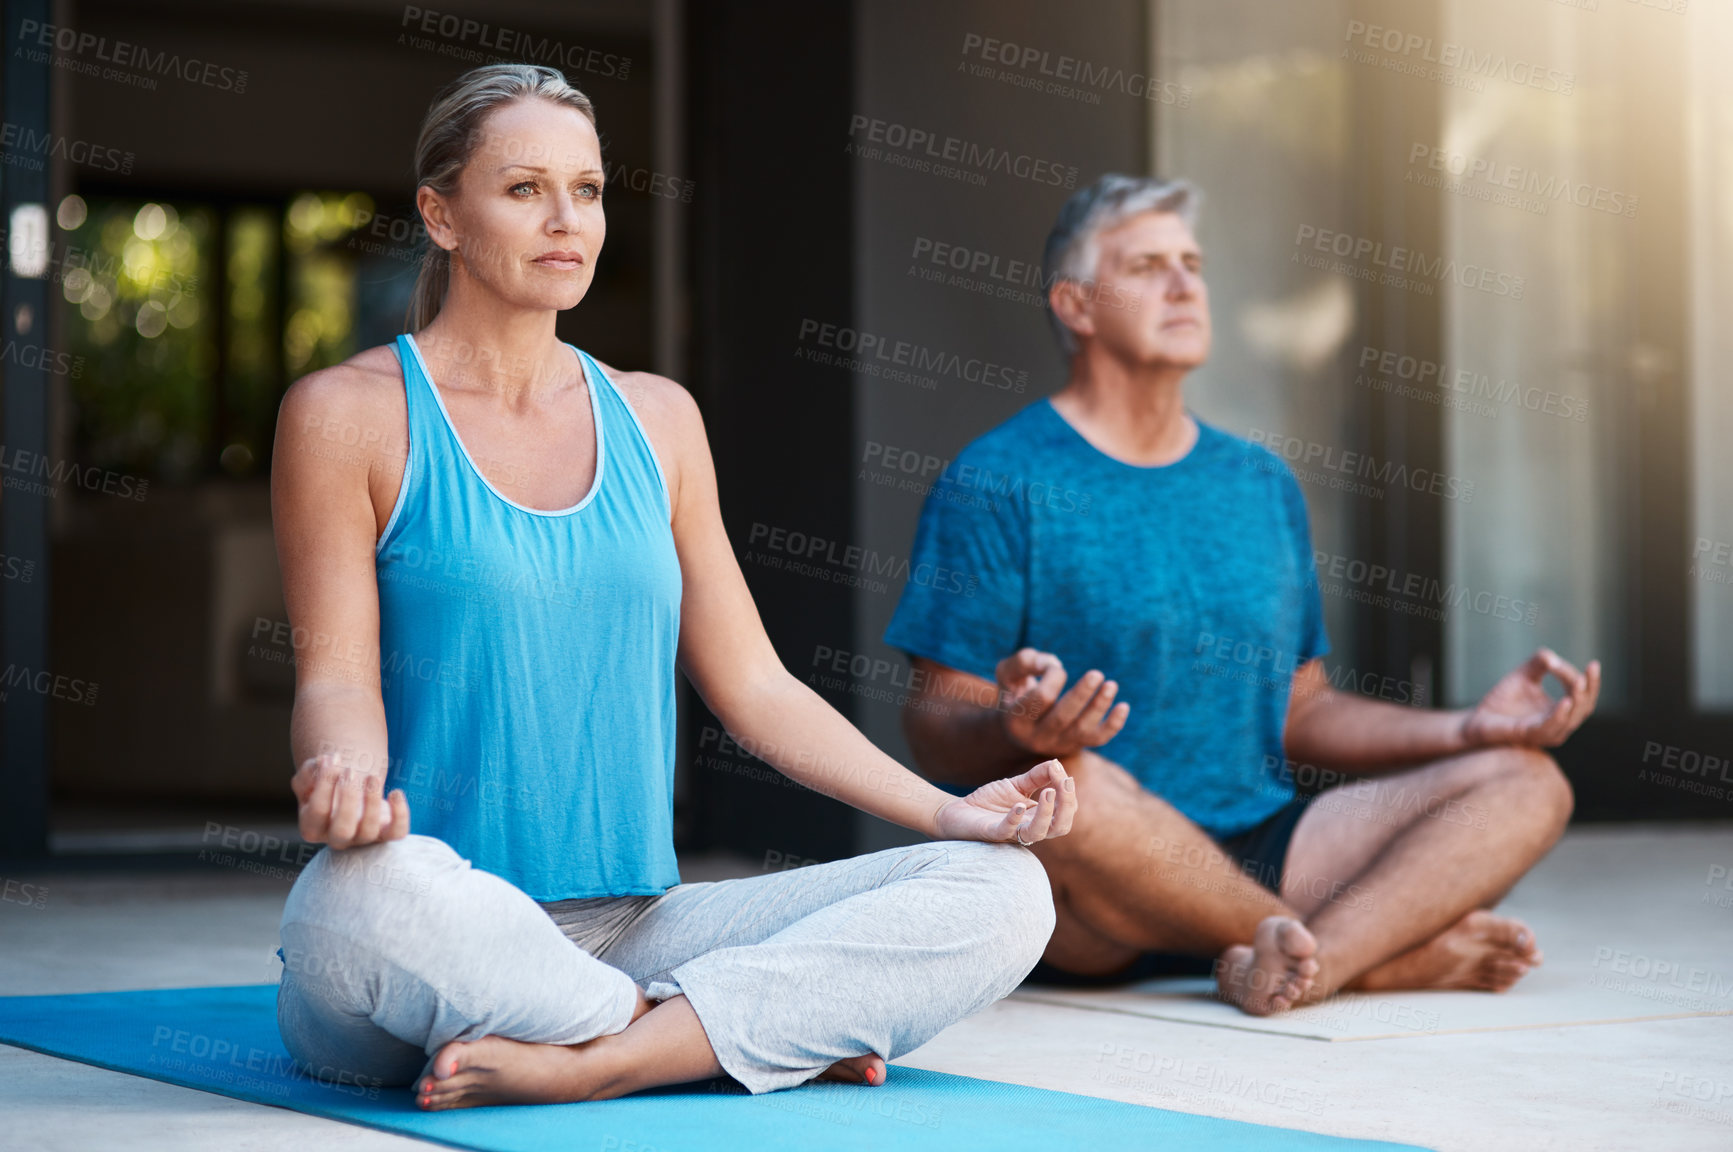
<point x="944" y="803"/>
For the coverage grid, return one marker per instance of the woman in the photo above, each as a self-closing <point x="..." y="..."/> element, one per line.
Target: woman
<point x="498" y="570"/>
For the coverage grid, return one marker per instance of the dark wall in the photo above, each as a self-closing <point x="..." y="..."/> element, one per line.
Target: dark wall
<point x="771" y="89"/>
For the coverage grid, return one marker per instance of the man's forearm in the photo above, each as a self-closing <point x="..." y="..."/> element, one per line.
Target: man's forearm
<point x="962" y="742"/>
<point x="1342" y="730"/>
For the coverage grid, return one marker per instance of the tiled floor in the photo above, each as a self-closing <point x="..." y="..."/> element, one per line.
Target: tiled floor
<point x="1643" y="913"/>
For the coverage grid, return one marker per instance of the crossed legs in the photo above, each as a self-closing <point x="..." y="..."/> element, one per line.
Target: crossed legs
<point x="1385" y="886"/>
<point x="772" y="979"/>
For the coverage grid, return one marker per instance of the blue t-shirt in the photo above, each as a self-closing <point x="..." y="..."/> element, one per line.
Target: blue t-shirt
<point x="1191" y="584"/>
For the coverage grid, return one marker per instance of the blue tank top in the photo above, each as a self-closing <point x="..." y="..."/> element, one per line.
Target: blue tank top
<point x="527" y="657"/>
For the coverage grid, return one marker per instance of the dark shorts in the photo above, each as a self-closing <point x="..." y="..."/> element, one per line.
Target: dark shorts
<point x="1261" y="851"/>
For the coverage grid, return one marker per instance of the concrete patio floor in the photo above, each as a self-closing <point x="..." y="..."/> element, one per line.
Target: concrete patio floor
<point x="1644" y="911"/>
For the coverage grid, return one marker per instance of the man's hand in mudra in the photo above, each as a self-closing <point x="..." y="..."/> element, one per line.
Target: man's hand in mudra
<point x="1519" y="711"/>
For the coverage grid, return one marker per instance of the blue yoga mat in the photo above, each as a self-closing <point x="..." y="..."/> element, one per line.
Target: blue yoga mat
<point x="224" y="1040"/>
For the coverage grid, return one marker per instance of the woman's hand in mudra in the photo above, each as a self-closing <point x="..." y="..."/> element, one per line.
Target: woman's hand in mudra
<point x="345" y="806"/>
<point x="1038" y="805"/>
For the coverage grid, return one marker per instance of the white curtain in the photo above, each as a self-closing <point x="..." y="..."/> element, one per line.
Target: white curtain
<point x="1546" y="524"/>
<point x="1710" y="196"/>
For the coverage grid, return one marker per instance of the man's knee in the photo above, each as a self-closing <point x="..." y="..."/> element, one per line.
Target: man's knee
<point x="1557" y="800"/>
<point x="1106" y="794"/>
<point x="1103" y="786"/>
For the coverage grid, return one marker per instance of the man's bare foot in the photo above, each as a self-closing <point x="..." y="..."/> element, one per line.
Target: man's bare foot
<point x="1481" y="951"/>
<point x="1274" y="973"/>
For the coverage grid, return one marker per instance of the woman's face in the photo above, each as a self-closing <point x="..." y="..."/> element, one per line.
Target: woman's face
<point x="527" y="218"/>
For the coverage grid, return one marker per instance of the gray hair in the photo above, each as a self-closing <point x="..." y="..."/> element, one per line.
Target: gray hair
<point x="449" y="134"/>
<point x="1072" y="250"/>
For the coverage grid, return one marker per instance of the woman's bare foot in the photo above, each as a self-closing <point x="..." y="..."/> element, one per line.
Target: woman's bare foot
<point x="1481" y="951"/>
<point x="868" y="1069"/>
<point x="1274" y="973"/>
<point x="494" y="1070"/>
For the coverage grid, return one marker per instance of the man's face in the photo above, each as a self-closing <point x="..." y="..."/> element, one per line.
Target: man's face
<point x="1150" y="306"/>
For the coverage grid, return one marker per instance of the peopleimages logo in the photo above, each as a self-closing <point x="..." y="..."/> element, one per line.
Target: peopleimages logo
<point x="1306" y="453"/>
<point x="930" y="147"/>
<point x="24" y="146"/>
<point x="1526" y="181"/>
<point x="19" y="464"/>
<point x="961" y="479"/>
<point x="457" y="31"/>
<point x="1408" y="261"/>
<point x="866" y="348"/>
<point x="1411" y="46"/>
<point x="1435" y="376"/>
<point x="1384" y="587"/>
<point x="868" y="561"/>
<point x="37" y="39"/>
<point x="1043" y="63"/>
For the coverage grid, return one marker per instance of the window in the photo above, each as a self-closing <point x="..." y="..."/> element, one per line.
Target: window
<point x="191" y="318"/>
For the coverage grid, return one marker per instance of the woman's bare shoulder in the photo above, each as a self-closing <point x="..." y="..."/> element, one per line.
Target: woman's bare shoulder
<point x="371" y="377"/>
<point x="359" y="401"/>
<point x="664" y="406"/>
<point x="666" y="409"/>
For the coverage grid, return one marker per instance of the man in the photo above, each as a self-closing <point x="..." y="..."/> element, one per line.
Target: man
<point x="1113" y="534"/>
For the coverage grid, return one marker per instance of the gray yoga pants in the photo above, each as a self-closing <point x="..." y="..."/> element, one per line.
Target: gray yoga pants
<point x="393" y="950"/>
